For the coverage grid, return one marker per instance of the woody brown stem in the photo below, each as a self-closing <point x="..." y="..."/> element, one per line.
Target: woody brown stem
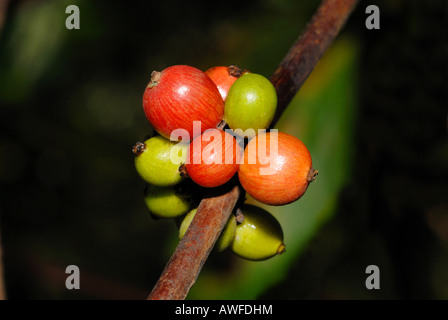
<point x="187" y="260"/>
<point x="304" y="54"/>
<point x="214" y="210"/>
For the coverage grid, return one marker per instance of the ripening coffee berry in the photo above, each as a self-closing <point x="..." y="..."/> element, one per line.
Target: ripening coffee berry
<point x="154" y="161"/>
<point x="166" y="202"/>
<point x="227" y="234"/>
<point x="224" y="77"/>
<point x="179" y="95"/>
<point x="277" y="168"/>
<point x="259" y="236"/>
<point x="213" y="158"/>
<point x="250" y="104"/>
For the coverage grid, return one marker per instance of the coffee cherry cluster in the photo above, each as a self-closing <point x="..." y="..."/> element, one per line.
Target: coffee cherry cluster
<point x="210" y="127"/>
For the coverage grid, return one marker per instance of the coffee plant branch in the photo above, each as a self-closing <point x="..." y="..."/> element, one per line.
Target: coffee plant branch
<point x="216" y="207"/>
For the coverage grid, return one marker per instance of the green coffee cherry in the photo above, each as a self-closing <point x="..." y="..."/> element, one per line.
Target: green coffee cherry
<point x="250" y="104"/>
<point x="154" y="161"/>
<point x="166" y="202"/>
<point x="224" y="240"/>
<point x="259" y="236"/>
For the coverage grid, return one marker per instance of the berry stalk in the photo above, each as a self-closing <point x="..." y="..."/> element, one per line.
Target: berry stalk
<point x="185" y="264"/>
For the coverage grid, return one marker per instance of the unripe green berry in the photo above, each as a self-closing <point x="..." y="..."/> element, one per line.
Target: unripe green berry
<point x="154" y="164"/>
<point x="224" y="240"/>
<point x="259" y="236"/>
<point x="166" y="202"/>
<point x="250" y="104"/>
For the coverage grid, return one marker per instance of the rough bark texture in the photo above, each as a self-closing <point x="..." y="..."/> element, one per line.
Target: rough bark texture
<point x="187" y="260"/>
<point x="308" y="49"/>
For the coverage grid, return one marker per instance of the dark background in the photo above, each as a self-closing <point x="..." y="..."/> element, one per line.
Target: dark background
<point x="70" y="111"/>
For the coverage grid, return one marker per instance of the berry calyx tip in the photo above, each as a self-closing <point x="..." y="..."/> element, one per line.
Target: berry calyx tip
<point x="183" y="171"/>
<point x="234" y="70"/>
<point x="155" y="76"/>
<point x="312" y="175"/>
<point x="138" y="148"/>
<point x="281" y="248"/>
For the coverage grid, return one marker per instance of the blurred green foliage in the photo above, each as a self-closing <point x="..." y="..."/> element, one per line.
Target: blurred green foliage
<point x="373" y="114"/>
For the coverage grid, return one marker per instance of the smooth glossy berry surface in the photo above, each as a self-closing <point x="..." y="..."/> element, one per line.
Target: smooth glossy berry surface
<point x="179" y="95"/>
<point x="166" y="202"/>
<point x="259" y="236"/>
<point x="213" y="158"/>
<point x="153" y="161"/>
<point x="276" y="177"/>
<point x="224" y="77"/>
<point x="251" y="103"/>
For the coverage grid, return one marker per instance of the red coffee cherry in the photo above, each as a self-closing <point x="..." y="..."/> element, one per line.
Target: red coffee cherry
<point x="224" y="77"/>
<point x="213" y="158"/>
<point x="179" y="95"/>
<point x="276" y="177"/>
